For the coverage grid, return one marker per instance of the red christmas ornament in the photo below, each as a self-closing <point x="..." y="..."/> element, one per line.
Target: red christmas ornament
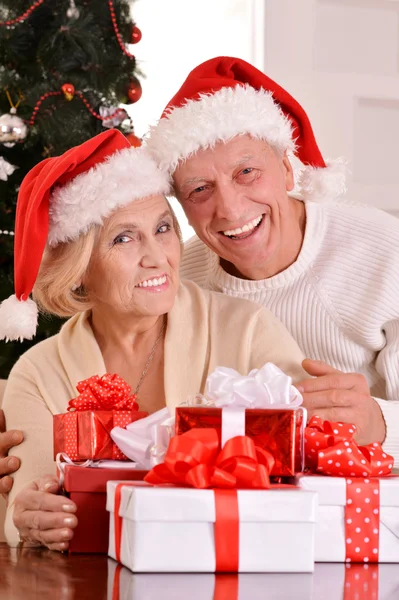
<point x="68" y="90"/>
<point x="133" y="140"/>
<point x="134" y="91"/>
<point x="136" y="35"/>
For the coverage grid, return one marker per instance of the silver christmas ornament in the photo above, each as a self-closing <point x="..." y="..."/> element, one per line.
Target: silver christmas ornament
<point x="73" y="12"/>
<point x="6" y="169"/>
<point x="114" y="121"/>
<point x="12" y="129"/>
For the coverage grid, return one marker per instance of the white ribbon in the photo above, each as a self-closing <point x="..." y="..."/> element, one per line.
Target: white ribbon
<point x="145" y="441"/>
<point x="267" y="387"/>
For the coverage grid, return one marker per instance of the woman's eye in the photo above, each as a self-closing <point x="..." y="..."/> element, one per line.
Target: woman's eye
<point x="121" y="239"/>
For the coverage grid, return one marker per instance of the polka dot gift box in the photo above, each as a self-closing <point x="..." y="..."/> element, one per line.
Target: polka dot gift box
<point x="84" y="431"/>
<point x="358" y="514"/>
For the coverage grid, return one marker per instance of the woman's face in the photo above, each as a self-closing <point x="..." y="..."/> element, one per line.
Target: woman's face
<point x="134" y="270"/>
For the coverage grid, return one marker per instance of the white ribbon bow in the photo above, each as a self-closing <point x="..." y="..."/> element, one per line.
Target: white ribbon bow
<point x="267" y="387"/>
<point x="145" y="441"/>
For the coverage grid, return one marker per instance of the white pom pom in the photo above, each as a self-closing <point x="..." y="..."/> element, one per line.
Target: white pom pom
<point x="323" y="184"/>
<point x="18" y="319"/>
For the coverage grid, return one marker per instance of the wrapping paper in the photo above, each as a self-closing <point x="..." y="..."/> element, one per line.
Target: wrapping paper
<point x="263" y="405"/>
<point x="170" y="529"/>
<point x="276" y="431"/>
<point x="373" y="530"/>
<point x="87" y="488"/>
<point x="83" y="433"/>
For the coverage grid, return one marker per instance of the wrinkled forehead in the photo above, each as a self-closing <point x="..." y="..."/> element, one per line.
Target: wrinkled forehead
<point x="221" y="157"/>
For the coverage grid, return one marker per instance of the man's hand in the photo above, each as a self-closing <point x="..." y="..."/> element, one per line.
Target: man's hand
<point x="342" y="397"/>
<point x="8" y="439"/>
<point x="42" y="517"/>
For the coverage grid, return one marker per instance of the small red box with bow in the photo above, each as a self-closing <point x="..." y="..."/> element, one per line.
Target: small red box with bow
<point x="84" y="431"/>
<point x="264" y="405"/>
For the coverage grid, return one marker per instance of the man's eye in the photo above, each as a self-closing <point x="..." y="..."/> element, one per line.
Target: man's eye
<point x="164" y="228"/>
<point x="247" y="171"/>
<point x="199" y="189"/>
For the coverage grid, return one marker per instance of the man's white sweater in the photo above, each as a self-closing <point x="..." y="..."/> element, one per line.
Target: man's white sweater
<point x="339" y="300"/>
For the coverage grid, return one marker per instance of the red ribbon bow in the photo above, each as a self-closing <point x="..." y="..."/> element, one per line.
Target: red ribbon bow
<point x="109" y="392"/>
<point x="194" y="459"/>
<point x="331" y="450"/>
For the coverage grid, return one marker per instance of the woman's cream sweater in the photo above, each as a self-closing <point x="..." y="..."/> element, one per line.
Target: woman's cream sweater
<point x="204" y="330"/>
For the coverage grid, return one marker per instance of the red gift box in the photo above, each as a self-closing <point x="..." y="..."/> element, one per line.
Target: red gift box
<point x="87" y="487"/>
<point x="279" y="431"/>
<point x="84" y="432"/>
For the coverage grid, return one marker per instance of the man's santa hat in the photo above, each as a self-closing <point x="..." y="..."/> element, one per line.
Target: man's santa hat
<point x="60" y="199"/>
<point x="225" y="97"/>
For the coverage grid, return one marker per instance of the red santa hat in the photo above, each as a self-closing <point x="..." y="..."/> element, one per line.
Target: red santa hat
<point x="225" y="97"/>
<point x="61" y="198"/>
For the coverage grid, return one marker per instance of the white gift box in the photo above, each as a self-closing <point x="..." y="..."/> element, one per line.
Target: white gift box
<point x="170" y="529"/>
<point x="330" y="527"/>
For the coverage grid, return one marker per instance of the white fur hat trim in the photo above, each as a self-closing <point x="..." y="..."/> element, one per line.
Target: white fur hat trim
<point x="219" y="117"/>
<point x="18" y="319"/>
<point x="127" y="175"/>
<point x="323" y="184"/>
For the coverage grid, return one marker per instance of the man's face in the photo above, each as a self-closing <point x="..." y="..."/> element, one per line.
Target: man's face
<point x="235" y="198"/>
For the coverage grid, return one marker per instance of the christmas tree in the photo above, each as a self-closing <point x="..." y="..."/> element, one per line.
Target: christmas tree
<point x="64" y="69"/>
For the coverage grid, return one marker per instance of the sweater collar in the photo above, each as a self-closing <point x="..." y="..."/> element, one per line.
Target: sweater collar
<point x="314" y="232"/>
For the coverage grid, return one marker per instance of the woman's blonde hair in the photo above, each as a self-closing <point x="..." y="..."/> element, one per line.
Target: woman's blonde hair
<point x="59" y="289"/>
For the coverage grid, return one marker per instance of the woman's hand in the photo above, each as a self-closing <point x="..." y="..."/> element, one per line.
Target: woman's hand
<point x="42" y="517"/>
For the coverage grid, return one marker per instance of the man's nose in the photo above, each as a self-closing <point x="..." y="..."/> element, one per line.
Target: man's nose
<point x="228" y="203"/>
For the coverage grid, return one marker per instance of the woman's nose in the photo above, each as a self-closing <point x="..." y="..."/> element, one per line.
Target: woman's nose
<point x="153" y="255"/>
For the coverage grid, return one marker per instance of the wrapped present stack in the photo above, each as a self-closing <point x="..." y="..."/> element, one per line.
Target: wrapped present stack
<point x="208" y="504"/>
<point x="83" y="434"/>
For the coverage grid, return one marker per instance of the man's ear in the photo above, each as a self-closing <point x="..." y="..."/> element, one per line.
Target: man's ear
<point x="288" y="173"/>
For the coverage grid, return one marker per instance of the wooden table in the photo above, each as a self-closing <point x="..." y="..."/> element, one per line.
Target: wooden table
<point x="40" y="574"/>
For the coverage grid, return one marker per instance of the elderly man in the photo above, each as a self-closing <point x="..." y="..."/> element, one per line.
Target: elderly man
<point x="327" y="269"/>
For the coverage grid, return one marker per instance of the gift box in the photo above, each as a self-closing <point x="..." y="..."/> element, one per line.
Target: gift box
<point x="84" y="432"/>
<point x="264" y="405"/>
<point x="125" y="585"/>
<point x="171" y="529"/>
<point x="358" y="518"/>
<point x="87" y="487"/>
<point x="276" y="430"/>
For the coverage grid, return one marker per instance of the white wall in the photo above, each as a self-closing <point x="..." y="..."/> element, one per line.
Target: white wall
<point x="180" y="34"/>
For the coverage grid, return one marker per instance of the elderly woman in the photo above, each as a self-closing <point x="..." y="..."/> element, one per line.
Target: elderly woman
<point x="97" y="241"/>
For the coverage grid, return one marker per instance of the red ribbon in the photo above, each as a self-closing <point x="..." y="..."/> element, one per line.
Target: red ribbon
<point x="195" y="459"/>
<point x="331" y="450"/>
<point x="109" y="392"/>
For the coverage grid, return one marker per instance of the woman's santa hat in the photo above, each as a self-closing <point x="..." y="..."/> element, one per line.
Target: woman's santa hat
<point x="225" y="97"/>
<point x="60" y="199"/>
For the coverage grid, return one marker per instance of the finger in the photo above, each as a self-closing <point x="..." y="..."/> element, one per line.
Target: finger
<point x="8" y="440"/>
<point x="50" y="536"/>
<point x="318" y="367"/>
<point x="6" y="483"/>
<point x="30" y="499"/>
<point x="336" y="381"/>
<point x="334" y="415"/>
<point x="59" y="547"/>
<point x="48" y="483"/>
<point x="9" y="465"/>
<point x="343" y="399"/>
<point x="29" y="520"/>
